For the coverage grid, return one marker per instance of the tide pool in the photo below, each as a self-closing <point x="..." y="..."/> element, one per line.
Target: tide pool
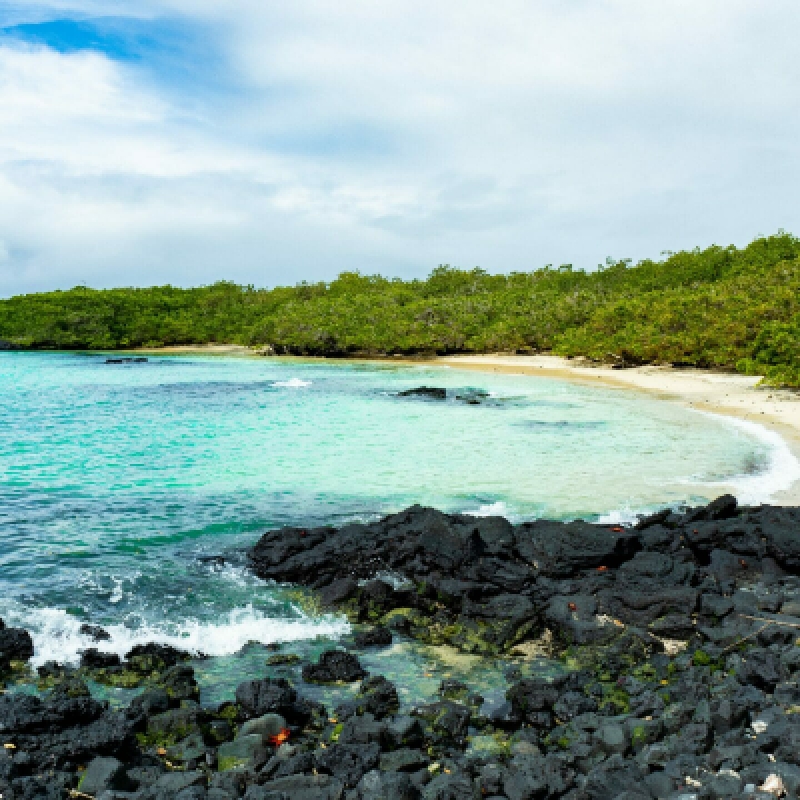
<point x="121" y="483"/>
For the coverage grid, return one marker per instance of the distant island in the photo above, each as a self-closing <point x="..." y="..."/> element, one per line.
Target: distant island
<point x="719" y="308"/>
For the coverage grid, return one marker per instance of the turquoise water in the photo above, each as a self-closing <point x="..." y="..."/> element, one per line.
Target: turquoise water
<point x="120" y="481"/>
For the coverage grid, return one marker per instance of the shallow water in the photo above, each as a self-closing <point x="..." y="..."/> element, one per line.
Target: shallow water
<point x="118" y="481"/>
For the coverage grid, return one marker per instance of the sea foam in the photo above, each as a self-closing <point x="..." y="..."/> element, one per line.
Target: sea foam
<point x="621" y="516"/>
<point x="292" y="383"/>
<point x="57" y="637"/>
<point x="781" y="472"/>
<point x="496" y="509"/>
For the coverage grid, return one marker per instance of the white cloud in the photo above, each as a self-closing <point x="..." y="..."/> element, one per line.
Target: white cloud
<point x="397" y="135"/>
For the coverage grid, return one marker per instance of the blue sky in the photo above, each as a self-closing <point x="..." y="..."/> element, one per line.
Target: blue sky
<point x="187" y="141"/>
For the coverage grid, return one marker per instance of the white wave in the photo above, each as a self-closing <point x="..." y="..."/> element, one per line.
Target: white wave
<point x="781" y="472"/>
<point x="236" y="574"/>
<point x="117" y="594"/>
<point x="620" y="516"/>
<point x="496" y="509"/>
<point x="57" y="637"/>
<point x="292" y="383"/>
<point x="116" y="591"/>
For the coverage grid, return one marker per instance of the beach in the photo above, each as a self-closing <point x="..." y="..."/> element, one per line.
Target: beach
<point x="738" y="396"/>
<point x="715" y="392"/>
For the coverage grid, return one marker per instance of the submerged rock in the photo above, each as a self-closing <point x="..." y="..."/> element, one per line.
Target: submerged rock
<point x="434" y="392"/>
<point x="97" y="633"/>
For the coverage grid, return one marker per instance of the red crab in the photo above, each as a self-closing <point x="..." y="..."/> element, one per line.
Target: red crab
<point x="280" y="738"/>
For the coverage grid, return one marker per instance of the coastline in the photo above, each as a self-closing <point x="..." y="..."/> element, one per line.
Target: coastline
<point x="550" y="658"/>
<point x="193" y="350"/>
<point x="727" y="394"/>
<point x="656" y="656"/>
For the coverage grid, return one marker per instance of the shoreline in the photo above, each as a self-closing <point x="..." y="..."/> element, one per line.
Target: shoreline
<point x="725" y="394"/>
<point x="661" y="656"/>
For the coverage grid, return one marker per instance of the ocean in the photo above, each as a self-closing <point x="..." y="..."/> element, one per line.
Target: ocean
<point x="129" y="491"/>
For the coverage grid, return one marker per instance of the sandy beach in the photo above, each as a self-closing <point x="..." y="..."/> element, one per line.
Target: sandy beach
<point x="716" y="392"/>
<point x="197" y="350"/>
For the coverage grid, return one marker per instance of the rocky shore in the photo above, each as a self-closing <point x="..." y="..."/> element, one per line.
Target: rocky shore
<point x="654" y="661"/>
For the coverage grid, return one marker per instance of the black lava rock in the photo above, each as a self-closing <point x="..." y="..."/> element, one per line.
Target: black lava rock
<point x="432" y="392"/>
<point x="334" y="666"/>
<point x="15" y="645"/>
<point x="97" y="633"/>
<point x="378" y="636"/>
<point x="94" y="659"/>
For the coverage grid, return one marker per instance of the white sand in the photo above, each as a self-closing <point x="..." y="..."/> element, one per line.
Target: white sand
<point x="720" y="393"/>
<point x="195" y="350"/>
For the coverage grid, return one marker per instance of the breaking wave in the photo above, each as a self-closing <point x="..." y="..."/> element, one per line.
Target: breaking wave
<point x="57" y="637"/>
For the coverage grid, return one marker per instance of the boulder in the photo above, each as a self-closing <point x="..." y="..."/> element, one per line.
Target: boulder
<point x="298" y="787"/>
<point x="153" y="657"/>
<point x="405" y="759"/>
<point x="102" y="774"/>
<point x="532" y="696"/>
<point x="377" y="785"/>
<point x="266" y="726"/>
<point x="246" y="751"/>
<point x="151" y="702"/>
<point x="378" y="636"/>
<point x="179" y="683"/>
<point x="94" y="659"/>
<point x="573" y="620"/>
<point x="15" y="645"/>
<point x="192" y="748"/>
<point x="448" y="787"/>
<point x="270" y="695"/>
<point x="174" y="725"/>
<point x="348" y="762"/>
<point x="761" y="669"/>
<point x="363" y="730"/>
<point x="334" y="666"/>
<point x="168" y="786"/>
<point x="448" y="720"/>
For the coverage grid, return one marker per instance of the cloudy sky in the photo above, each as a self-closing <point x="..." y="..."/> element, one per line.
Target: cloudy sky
<point x="187" y="141"/>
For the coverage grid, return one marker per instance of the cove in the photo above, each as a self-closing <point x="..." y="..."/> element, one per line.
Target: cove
<point x="122" y="483"/>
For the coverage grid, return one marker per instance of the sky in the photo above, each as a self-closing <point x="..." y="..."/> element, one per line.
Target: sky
<point x="189" y="141"/>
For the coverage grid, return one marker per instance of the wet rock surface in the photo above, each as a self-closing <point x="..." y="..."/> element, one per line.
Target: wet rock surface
<point x="676" y="642"/>
<point x="431" y="392"/>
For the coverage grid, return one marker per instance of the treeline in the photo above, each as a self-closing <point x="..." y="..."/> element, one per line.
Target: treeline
<point x="722" y="307"/>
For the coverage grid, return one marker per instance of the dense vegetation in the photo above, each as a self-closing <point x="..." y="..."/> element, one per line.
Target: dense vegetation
<point x="721" y="307"/>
